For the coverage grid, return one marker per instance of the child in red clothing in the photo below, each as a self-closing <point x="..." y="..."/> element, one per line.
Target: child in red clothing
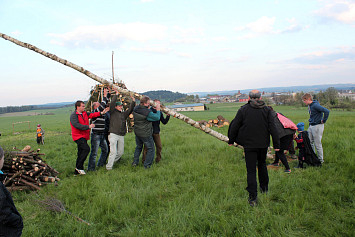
<point x="300" y="145"/>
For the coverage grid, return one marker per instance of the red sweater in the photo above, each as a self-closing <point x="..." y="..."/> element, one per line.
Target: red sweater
<point x="80" y="124"/>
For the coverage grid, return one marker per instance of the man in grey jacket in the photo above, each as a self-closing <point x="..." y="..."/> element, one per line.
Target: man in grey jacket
<point x="118" y="129"/>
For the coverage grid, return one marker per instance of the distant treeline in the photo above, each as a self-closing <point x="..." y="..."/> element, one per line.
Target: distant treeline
<point x="12" y="109"/>
<point x="164" y="96"/>
<point x="329" y="98"/>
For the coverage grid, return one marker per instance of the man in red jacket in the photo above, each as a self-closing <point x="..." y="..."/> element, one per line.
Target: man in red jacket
<point x="80" y="131"/>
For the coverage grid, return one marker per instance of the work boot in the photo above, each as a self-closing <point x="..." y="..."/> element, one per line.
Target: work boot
<point x="253" y="201"/>
<point x="300" y="165"/>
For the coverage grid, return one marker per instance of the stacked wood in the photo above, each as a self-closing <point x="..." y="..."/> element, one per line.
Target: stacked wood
<point x="26" y="170"/>
<point x="97" y="94"/>
<point x="219" y="122"/>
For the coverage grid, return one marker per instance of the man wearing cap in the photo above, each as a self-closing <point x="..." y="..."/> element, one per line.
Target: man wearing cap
<point x="251" y="128"/>
<point x="118" y="129"/>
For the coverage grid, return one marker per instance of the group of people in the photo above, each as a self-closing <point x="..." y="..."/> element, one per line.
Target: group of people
<point x="252" y="127"/>
<point x="108" y="128"/>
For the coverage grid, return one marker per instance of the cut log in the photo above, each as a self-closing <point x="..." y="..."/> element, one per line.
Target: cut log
<point x="13" y="177"/>
<point x="220" y="118"/>
<point x="34" y="186"/>
<point x="26" y="148"/>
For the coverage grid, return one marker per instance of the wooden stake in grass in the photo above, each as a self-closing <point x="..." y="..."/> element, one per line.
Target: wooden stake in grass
<point x="121" y="90"/>
<point x="55" y="205"/>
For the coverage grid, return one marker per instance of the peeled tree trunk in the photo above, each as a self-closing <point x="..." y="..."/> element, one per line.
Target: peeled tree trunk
<point x="121" y="90"/>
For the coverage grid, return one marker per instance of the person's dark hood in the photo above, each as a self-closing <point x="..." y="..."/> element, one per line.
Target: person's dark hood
<point x="143" y="110"/>
<point x="257" y="104"/>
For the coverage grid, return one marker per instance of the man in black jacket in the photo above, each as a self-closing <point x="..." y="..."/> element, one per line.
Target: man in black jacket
<point x="10" y="219"/>
<point x="251" y="128"/>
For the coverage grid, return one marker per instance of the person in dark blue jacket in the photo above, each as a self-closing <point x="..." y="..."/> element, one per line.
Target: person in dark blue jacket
<point x="318" y="116"/>
<point x="11" y="223"/>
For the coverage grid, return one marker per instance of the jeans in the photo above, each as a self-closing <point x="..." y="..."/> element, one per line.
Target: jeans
<point x="315" y="134"/>
<point x="83" y="152"/>
<point x="149" y="143"/>
<point x="253" y="157"/>
<point x="96" y="141"/>
<point x="116" y="149"/>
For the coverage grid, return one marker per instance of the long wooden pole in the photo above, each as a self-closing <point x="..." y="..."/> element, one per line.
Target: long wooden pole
<point x="121" y="90"/>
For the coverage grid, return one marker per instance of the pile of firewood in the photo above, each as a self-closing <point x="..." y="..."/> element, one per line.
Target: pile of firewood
<point x="26" y="170"/>
<point x="219" y="122"/>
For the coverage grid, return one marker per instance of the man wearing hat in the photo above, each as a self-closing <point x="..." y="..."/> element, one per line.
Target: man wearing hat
<point x="118" y="129"/>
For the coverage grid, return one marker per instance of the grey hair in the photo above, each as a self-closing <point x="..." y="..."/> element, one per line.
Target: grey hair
<point x="254" y="94"/>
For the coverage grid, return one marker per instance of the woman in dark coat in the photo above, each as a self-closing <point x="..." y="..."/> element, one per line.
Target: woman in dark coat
<point x="11" y="224"/>
<point x="286" y="137"/>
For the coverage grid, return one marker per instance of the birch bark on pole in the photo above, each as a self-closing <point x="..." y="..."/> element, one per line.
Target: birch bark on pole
<point x="121" y="90"/>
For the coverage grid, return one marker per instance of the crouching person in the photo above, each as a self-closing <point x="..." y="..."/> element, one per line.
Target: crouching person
<point x="11" y="224"/>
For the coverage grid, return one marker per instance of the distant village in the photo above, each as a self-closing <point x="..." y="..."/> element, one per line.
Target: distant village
<point x="277" y="98"/>
<point x="272" y="97"/>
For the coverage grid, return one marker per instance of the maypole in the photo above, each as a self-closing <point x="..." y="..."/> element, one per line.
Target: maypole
<point x="121" y="90"/>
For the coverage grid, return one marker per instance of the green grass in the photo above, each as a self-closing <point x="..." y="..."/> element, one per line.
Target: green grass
<point x="197" y="190"/>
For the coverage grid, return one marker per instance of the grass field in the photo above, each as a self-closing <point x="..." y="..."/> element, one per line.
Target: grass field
<point x="198" y="189"/>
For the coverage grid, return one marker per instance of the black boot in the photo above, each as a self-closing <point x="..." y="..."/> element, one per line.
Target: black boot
<point x="300" y="165"/>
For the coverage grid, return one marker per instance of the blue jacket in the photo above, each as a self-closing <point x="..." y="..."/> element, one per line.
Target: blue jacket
<point x="317" y="113"/>
<point x="156" y="127"/>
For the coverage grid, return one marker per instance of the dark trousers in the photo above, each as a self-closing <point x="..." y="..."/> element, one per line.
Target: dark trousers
<point x="158" y="148"/>
<point x="39" y="139"/>
<point x="83" y="152"/>
<point x="6" y="231"/>
<point x="291" y="149"/>
<point x="256" y="157"/>
<point x="149" y="143"/>
<point x="284" y="145"/>
<point x="108" y="142"/>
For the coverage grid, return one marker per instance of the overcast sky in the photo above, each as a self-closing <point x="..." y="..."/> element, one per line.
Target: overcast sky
<point x="177" y="45"/>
